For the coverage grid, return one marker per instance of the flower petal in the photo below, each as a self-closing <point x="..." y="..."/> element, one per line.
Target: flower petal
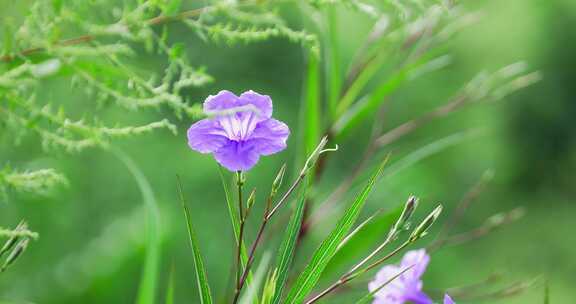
<point x="263" y="103"/>
<point x="206" y="136"/>
<point x="236" y="156"/>
<point x="418" y="297"/>
<point x="224" y="100"/>
<point x="419" y="260"/>
<point x="269" y="137"/>
<point x="239" y="125"/>
<point x="448" y="299"/>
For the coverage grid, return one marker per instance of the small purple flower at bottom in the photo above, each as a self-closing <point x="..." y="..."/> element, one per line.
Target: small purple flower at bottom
<point x="240" y="130"/>
<point x="448" y="299"/>
<point x="405" y="288"/>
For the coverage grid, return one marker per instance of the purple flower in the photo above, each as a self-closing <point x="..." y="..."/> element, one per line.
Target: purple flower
<point x="240" y="130"/>
<point x="408" y="286"/>
<point x="448" y="299"/>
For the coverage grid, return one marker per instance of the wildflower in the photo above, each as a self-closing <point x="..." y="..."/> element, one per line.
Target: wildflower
<point x="408" y="286"/>
<point x="448" y="299"/>
<point x="239" y="130"/>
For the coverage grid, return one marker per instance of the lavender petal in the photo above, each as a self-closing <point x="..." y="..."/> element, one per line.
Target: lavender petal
<point x="205" y="136"/>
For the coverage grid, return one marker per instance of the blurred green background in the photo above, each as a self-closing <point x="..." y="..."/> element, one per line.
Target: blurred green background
<point x="92" y="233"/>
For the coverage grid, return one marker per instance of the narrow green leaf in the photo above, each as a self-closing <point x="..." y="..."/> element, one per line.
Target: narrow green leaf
<point x="367" y="298"/>
<point x="147" y="287"/>
<point x="312" y="108"/>
<point x="311" y="274"/>
<point x="201" y="277"/>
<point x="547" y="293"/>
<point x="286" y="252"/>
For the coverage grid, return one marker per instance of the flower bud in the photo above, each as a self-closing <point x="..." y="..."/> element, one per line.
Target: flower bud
<point x="251" y="199"/>
<point x="12" y="240"/>
<point x="278" y="181"/>
<point x="403" y="221"/>
<point x="18" y="250"/>
<point x="422" y="229"/>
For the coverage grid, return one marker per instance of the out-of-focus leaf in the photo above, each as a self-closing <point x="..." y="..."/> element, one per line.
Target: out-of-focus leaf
<point x="311" y="274"/>
<point x="358" y="113"/>
<point x="349" y="117"/>
<point x="428" y="150"/>
<point x="201" y="277"/>
<point x="148" y="282"/>
<point x="547" y="293"/>
<point x="354" y="90"/>
<point x="172" y="7"/>
<point x="252" y="292"/>
<point x="312" y="107"/>
<point x="170" y="288"/>
<point x="333" y="68"/>
<point x="269" y="289"/>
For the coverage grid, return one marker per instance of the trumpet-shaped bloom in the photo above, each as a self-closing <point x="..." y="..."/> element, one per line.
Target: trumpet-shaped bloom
<point x="239" y="130"/>
<point x="448" y="299"/>
<point x="405" y="288"/>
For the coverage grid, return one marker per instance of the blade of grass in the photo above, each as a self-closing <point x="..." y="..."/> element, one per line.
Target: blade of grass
<point x="286" y="252"/>
<point x="311" y="274"/>
<point x="201" y="277"/>
<point x="148" y="282"/>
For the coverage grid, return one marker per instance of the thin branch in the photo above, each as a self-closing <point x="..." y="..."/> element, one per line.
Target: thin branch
<point x="88" y="37"/>
<point x="511" y="290"/>
<point x="414" y="124"/>
<point x="461" y="208"/>
<point x="492" y="223"/>
<point x="239" y="184"/>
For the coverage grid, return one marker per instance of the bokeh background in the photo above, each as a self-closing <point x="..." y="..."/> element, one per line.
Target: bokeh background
<point x="92" y="239"/>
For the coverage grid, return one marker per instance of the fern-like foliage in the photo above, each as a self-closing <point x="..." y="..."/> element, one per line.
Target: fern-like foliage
<point x="94" y="54"/>
<point x="37" y="182"/>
